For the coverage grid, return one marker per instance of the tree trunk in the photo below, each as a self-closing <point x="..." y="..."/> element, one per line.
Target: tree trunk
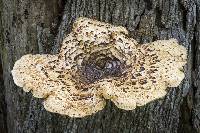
<point x="39" y="26"/>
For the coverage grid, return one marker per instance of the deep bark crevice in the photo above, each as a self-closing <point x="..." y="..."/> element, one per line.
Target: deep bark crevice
<point x="3" y="106"/>
<point x="186" y="124"/>
<point x="55" y="26"/>
<point x="158" y="19"/>
<point x="195" y="48"/>
<point x="148" y="4"/>
<point x="183" y="11"/>
<point x="3" y="114"/>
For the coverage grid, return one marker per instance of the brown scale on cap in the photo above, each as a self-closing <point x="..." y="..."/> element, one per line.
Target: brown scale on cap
<point x="97" y="61"/>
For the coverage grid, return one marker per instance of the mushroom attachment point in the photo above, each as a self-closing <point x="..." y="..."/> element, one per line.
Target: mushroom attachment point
<point x="98" y="61"/>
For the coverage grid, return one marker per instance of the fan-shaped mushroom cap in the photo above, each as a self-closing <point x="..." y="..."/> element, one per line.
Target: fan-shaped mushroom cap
<point x="46" y="77"/>
<point x="34" y="73"/>
<point x="157" y="65"/>
<point x="172" y="58"/>
<point x="73" y="102"/>
<point x="127" y="95"/>
<point x="96" y="32"/>
<point x="97" y="61"/>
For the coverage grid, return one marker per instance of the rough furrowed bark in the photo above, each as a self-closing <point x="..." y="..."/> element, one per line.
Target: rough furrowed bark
<point x="196" y="74"/>
<point x="3" y="126"/>
<point x="32" y="27"/>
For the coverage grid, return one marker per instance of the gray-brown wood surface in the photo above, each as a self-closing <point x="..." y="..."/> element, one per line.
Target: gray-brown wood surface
<point x="39" y="26"/>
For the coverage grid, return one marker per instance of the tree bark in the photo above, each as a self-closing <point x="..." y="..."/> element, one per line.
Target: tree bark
<point x="39" y="26"/>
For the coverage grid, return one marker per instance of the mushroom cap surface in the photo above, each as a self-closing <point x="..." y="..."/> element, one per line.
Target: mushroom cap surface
<point x="98" y="61"/>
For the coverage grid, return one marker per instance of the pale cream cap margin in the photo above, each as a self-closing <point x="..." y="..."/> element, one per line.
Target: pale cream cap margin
<point x="153" y="68"/>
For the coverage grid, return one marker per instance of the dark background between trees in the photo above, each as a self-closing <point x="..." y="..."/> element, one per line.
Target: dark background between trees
<point x="39" y="26"/>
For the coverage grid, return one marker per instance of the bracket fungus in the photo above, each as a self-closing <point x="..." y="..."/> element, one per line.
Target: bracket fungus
<point x="98" y="61"/>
